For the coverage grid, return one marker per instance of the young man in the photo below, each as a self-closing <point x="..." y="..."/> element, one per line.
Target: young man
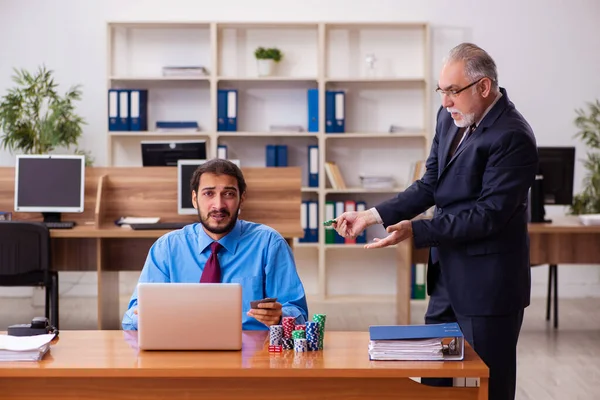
<point x="482" y="163"/>
<point x="254" y="255"/>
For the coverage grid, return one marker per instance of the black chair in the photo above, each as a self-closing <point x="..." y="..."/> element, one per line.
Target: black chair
<point x="25" y="261"/>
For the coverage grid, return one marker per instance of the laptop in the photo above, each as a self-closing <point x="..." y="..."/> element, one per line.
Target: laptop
<point x="189" y="316"/>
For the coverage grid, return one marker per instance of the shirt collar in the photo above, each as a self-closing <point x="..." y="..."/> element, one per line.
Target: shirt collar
<point x="487" y="110"/>
<point x="229" y="241"/>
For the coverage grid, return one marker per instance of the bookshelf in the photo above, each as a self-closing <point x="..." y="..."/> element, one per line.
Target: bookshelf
<point x="324" y="56"/>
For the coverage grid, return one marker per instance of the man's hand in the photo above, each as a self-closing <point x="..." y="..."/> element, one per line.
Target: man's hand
<point x="351" y="224"/>
<point x="397" y="233"/>
<point x="267" y="313"/>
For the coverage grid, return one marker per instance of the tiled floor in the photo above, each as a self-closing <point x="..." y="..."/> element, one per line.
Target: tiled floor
<point x="553" y="364"/>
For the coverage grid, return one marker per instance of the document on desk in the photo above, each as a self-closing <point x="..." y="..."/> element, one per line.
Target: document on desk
<point x="416" y="342"/>
<point x="24" y="348"/>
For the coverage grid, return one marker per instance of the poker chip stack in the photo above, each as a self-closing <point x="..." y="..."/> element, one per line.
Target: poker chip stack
<point x="320" y="319"/>
<point x="288" y="326"/>
<point x="312" y="335"/>
<point x="299" y="334"/>
<point x="300" y="345"/>
<point x="275" y="338"/>
<point x="300" y="328"/>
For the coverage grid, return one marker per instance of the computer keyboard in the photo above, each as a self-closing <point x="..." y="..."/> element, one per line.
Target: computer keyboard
<point x="159" y="226"/>
<point x="60" y="225"/>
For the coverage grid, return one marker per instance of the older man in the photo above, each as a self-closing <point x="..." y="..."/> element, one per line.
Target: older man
<point x="482" y="163"/>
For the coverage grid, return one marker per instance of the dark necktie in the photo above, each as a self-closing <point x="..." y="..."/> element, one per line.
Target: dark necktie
<point x="212" y="269"/>
<point x="457" y="139"/>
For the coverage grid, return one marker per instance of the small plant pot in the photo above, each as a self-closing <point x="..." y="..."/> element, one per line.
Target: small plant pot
<point x="265" y="67"/>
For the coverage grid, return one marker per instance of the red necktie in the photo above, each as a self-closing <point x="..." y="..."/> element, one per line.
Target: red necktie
<point x="212" y="269"/>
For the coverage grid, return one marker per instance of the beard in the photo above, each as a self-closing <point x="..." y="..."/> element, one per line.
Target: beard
<point x="466" y="120"/>
<point x="205" y="221"/>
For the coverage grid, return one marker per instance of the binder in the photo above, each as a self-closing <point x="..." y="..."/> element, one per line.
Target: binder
<point x="329" y="111"/>
<point x="304" y="222"/>
<point x="271" y="155"/>
<point x="402" y="342"/>
<point x="329" y="214"/>
<point x="340" y="112"/>
<point x="313" y="166"/>
<point x="362" y="238"/>
<point x="232" y="107"/>
<point x="335" y="111"/>
<point x="281" y="155"/>
<point x="139" y="110"/>
<point x="222" y="151"/>
<point x="419" y="289"/>
<point x="222" y="110"/>
<point x="339" y="210"/>
<point x="124" y="108"/>
<point x="113" y="110"/>
<point x="313" y="221"/>
<point x="313" y="110"/>
<point x="227" y="106"/>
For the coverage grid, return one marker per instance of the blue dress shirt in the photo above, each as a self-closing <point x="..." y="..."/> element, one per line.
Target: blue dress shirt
<point x="254" y="255"/>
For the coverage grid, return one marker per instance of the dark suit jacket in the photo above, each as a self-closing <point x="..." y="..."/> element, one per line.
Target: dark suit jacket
<point x="479" y="228"/>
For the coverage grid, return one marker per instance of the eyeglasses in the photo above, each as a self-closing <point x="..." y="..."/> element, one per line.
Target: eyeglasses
<point x="454" y="93"/>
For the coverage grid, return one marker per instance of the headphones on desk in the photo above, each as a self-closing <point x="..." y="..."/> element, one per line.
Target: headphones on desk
<point x="38" y="326"/>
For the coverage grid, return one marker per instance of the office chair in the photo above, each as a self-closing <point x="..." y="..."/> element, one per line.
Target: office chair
<point x="25" y="261"/>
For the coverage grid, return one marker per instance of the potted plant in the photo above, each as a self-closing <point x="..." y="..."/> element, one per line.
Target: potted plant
<point x="35" y="119"/>
<point x="588" y="201"/>
<point x="266" y="59"/>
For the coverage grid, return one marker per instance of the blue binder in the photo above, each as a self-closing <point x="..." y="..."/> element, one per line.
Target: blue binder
<point x="138" y="102"/>
<point x="362" y="237"/>
<point x="281" y="155"/>
<point x="330" y="111"/>
<point x="313" y="166"/>
<point x="113" y="110"/>
<point x="313" y="110"/>
<point x="271" y="155"/>
<point x="124" y="120"/>
<point x="222" y="125"/>
<point x="227" y="106"/>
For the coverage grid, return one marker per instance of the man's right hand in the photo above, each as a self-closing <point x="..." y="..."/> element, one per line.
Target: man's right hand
<point x="351" y="224"/>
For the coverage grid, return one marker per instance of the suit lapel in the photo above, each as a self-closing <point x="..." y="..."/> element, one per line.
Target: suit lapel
<point x="452" y="132"/>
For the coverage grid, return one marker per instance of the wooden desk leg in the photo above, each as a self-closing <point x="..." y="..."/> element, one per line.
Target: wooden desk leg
<point x="404" y="254"/>
<point x="108" y="292"/>
<point x="555" y="268"/>
<point x="483" y="389"/>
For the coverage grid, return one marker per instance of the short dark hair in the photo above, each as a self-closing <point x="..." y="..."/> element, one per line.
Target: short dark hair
<point x="218" y="166"/>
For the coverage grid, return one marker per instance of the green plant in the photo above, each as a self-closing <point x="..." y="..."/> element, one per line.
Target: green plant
<point x="35" y="119"/>
<point x="588" y="201"/>
<point x="268" y="54"/>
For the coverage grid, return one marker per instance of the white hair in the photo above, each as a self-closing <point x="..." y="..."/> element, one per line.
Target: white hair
<point x="478" y="63"/>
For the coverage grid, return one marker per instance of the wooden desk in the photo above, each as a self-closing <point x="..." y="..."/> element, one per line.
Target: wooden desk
<point x="106" y="365"/>
<point x="95" y="244"/>
<point x="564" y="241"/>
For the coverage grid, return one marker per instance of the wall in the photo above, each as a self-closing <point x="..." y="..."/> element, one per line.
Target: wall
<point x="543" y="50"/>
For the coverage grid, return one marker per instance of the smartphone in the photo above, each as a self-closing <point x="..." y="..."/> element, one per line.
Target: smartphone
<point x="329" y="223"/>
<point x="254" y="304"/>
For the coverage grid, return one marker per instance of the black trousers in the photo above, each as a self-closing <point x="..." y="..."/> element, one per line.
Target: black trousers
<point x="494" y="338"/>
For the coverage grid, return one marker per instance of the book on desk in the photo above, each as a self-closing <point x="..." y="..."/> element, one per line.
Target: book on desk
<point x="433" y="342"/>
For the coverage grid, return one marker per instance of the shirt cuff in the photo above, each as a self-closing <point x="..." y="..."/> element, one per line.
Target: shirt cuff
<point x="376" y="215"/>
<point x="290" y="311"/>
<point x="130" y="321"/>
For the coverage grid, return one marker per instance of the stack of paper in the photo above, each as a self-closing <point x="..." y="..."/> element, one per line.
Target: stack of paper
<point x="24" y="348"/>
<point x="416" y="342"/>
<point x="377" y="181"/>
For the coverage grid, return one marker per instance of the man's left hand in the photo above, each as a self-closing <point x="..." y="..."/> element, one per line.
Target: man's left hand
<point x="267" y="313"/>
<point x="397" y="233"/>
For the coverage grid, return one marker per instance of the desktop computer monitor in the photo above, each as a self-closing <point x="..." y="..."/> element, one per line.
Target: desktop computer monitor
<point x="50" y="184"/>
<point x="161" y="153"/>
<point x="553" y="184"/>
<point x="185" y="170"/>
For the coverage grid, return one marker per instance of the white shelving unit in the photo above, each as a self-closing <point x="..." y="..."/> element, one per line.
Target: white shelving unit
<point x="315" y="55"/>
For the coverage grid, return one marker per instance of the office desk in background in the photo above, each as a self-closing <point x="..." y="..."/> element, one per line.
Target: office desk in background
<point x="563" y="241"/>
<point x="106" y="365"/>
<point x="96" y="244"/>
